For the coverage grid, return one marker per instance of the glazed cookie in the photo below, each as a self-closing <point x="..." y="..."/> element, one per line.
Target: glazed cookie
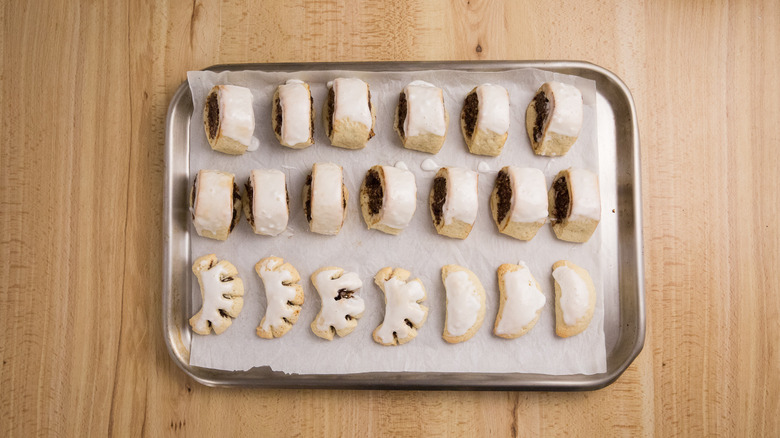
<point x="266" y="202"/>
<point x="575" y="204"/>
<point x="404" y="313"/>
<point x="521" y="302"/>
<point x="341" y="307"/>
<point x="221" y="292"/>
<point x="465" y="303"/>
<point x="229" y="120"/>
<point x="421" y="118"/>
<point x="292" y="114"/>
<point x="388" y="198"/>
<point x="454" y="201"/>
<point x="215" y="204"/>
<point x="484" y="120"/>
<point x="283" y="297"/>
<point x="554" y="118"/>
<point x="575" y="298"/>
<point x="519" y="202"/>
<point x="348" y="114"/>
<point x="325" y="199"/>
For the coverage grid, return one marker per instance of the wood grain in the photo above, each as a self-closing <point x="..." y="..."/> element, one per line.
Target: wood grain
<point x="85" y="87"/>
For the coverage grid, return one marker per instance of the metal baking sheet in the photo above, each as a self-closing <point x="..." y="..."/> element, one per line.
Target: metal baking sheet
<point x="618" y="148"/>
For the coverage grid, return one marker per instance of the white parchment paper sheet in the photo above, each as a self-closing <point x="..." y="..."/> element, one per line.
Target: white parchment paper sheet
<point x="418" y="249"/>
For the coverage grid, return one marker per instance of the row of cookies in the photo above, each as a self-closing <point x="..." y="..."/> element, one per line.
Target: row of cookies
<point x="520" y="202"/>
<point x="520" y="304"/>
<point x="553" y="117"/>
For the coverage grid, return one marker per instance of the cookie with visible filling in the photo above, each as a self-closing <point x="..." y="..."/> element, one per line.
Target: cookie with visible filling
<point x="519" y="202"/>
<point x="348" y="114"/>
<point x="404" y="312"/>
<point x="421" y="118"/>
<point x="266" y="201"/>
<point x="484" y="119"/>
<point x="215" y="204"/>
<point x="325" y="199"/>
<point x="292" y="114"/>
<point x="554" y="118"/>
<point x="229" y="119"/>
<point x="454" y="202"/>
<point x="574" y="204"/>
<point x="388" y="198"/>
<point x="283" y="297"/>
<point x="341" y="307"/>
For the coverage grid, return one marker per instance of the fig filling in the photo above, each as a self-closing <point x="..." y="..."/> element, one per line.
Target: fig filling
<point x="278" y="127"/>
<point x="250" y="192"/>
<point x="374" y="192"/>
<point x="344" y="294"/>
<point x="192" y="196"/>
<point x="439" y="196"/>
<point x="307" y="196"/>
<point x="562" y="199"/>
<point x="236" y="207"/>
<point x="470" y="110"/>
<point x="370" y="128"/>
<point x="504" y="193"/>
<point x="311" y="117"/>
<point x="402" y="113"/>
<point x="212" y="115"/>
<point x="331" y="103"/>
<point x="542" y="107"/>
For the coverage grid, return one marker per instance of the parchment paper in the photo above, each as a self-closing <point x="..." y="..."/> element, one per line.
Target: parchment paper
<point x="418" y="249"/>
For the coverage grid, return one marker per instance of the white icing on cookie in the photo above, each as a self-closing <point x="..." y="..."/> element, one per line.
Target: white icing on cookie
<point x="523" y="301"/>
<point x="334" y="309"/>
<point x="327" y="211"/>
<point x="213" y="208"/>
<point x="585" y="196"/>
<point x="493" y="114"/>
<point x="214" y="291"/>
<point x="236" y="116"/>
<point x="276" y="294"/>
<point x="574" y="294"/>
<point x="351" y="101"/>
<point x="429" y="165"/>
<point x="566" y="109"/>
<point x="400" y="197"/>
<point x="425" y="110"/>
<point x="401" y="305"/>
<point x="462" y="196"/>
<point x="463" y="303"/>
<point x="295" y="100"/>
<point x="269" y="203"/>
<point x="529" y="194"/>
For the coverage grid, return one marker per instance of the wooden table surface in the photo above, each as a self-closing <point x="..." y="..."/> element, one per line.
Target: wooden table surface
<point x="85" y="88"/>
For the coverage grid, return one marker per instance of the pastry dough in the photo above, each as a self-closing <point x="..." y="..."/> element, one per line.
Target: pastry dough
<point x="575" y="204"/>
<point x="292" y="114"/>
<point x="325" y="199"/>
<point x="266" y="202"/>
<point x="341" y="306"/>
<point x="421" y="118"/>
<point x="283" y="297"/>
<point x="519" y="202"/>
<point x="348" y="114"/>
<point x="554" y="118"/>
<point x="404" y="313"/>
<point x="484" y="119"/>
<point x="221" y="293"/>
<point x="465" y="303"/>
<point x="521" y="301"/>
<point x="229" y="119"/>
<point x="575" y="298"/>
<point x="388" y="198"/>
<point x="454" y="201"/>
<point x="215" y="204"/>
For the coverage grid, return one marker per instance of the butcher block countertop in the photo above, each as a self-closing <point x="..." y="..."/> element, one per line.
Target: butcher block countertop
<point x="85" y="89"/>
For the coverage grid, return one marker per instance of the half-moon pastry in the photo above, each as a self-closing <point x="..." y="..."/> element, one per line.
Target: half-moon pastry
<point x="465" y="303"/>
<point x="266" y="202"/>
<point x="554" y="118"/>
<point x="229" y="119"/>
<point x="325" y="199"/>
<point x="283" y="297"/>
<point x="292" y="114"/>
<point x="484" y="119"/>
<point x="519" y="202"/>
<point x="575" y="298"/>
<point x="521" y="301"/>
<point x="454" y="201"/>
<point x="215" y="204"/>
<point x="421" y="118"/>
<point x="348" y="114"/>
<point x="575" y="204"/>
<point x="221" y="293"/>
<point x="388" y="198"/>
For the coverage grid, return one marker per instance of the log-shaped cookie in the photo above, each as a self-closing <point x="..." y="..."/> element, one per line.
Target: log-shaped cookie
<point x="554" y="118"/>
<point x="388" y="198"/>
<point x="454" y="201"/>
<point x="404" y="313"/>
<point x="215" y="204"/>
<point x="421" y="118"/>
<point x="575" y="204"/>
<point x="283" y="297"/>
<point x="521" y="301"/>
<point x="229" y="119"/>
<point x="266" y="202"/>
<point x="484" y="119"/>
<point x="292" y="114"/>
<point x="519" y="202"/>
<point x="341" y="306"/>
<point x="221" y="292"/>
<point x="325" y="199"/>
<point x="348" y="114"/>
<point x="575" y="298"/>
<point x="465" y="303"/>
